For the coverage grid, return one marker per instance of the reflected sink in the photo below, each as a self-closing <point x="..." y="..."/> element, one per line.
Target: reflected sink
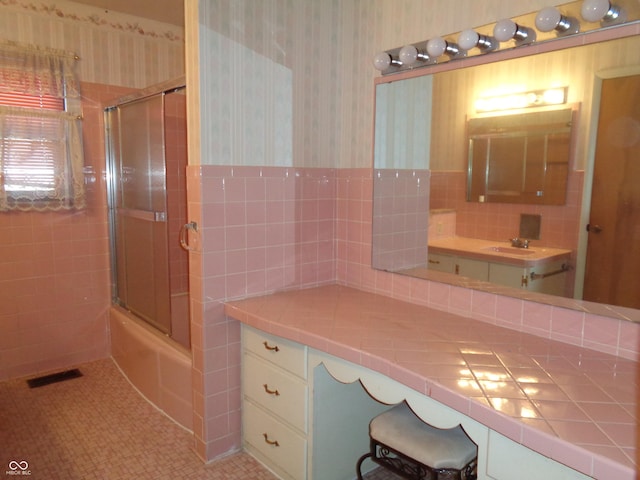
<point x="510" y="250"/>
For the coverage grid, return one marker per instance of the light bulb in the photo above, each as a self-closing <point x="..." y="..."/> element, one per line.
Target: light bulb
<point x="439" y="46"/>
<point x="408" y="55"/>
<point x="436" y="46"/>
<point x="595" y="10"/>
<point x="505" y="30"/>
<point x="548" y="19"/>
<point x="382" y="61"/>
<point x="468" y="39"/>
<point x="603" y="11"/>
<point x="554" y="96"/>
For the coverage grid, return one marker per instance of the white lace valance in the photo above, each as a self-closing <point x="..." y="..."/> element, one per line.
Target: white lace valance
<point x="37" y="71"/>
<point x="41" y="157"/>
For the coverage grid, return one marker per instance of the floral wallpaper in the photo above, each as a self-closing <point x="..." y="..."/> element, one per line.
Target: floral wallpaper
<point x="114" y="48"/>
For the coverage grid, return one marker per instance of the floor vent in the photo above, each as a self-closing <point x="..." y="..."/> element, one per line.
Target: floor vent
<point x="54" y="378"/>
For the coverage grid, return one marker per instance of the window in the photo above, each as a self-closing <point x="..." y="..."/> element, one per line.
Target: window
<point x="40" y="141"/>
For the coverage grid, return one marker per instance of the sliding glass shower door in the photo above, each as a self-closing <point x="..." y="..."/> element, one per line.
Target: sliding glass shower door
<point x="139" y="209"/>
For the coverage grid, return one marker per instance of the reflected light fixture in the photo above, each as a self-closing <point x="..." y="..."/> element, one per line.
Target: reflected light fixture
<point x="438" y="46"/>
<point x="507" y="29"/>
<point x="550" y="18"/>
<point x="512" y="101"/>
<point x="470" y="38"/>
<point x="410" y="55"/>
<point x="382" y="61"/>
<point x="602" y="11"/>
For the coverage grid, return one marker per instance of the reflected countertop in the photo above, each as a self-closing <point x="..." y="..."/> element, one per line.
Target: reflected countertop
<point x="575" y="405"/>
<point x="499" y="252"/>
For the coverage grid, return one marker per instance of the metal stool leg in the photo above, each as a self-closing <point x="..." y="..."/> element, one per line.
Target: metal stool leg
<point x="359" y="465"/>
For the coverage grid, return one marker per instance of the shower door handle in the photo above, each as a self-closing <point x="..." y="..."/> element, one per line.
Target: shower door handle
<point x="183" y="234"/>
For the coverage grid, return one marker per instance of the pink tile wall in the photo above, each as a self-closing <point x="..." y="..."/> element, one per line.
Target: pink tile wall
<point x="354" y="207"/>
<point x="498" y="221"/>
<point x="261" y="229"/>
<point x="442" y="224"/>
<point x="401" y="198"/>
<point x="54" y="271"/>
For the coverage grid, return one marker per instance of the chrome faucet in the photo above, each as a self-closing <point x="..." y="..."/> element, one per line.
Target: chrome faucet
<point x="518" y="243"/>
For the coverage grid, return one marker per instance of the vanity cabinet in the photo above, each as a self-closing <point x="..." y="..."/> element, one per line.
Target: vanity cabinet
<point x="476" y="269"/>
<point x="465" y="267"/>
<point x="549" y="277"/>
<point x="274" y="403"/>
<point x="441" y="262"/>
<point x="316" y="426"/>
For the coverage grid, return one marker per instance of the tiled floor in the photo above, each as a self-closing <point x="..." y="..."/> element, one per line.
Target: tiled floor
<point x="98" y="427"/>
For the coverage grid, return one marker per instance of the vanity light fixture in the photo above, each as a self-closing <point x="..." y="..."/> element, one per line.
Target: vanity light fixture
<point x="507" y="29"/>
<point x="438" y="46"/>
<point x="602" y="11"/>
<point x="577" y="17"/>
<point x="512" y="101"/>
<point x="550" y="18"/>
<point x="382" y="61"/>
<point x="470" y="38"/>
<point x="410" y="55"/>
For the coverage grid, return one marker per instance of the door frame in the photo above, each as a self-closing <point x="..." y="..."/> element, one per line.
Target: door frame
<point x="592" y="130"/>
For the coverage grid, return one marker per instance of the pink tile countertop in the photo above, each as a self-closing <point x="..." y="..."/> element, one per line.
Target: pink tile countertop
<point x="569" y="403"/>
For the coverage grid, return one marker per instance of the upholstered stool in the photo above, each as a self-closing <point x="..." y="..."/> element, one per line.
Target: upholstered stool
<point x="404" y="444"/>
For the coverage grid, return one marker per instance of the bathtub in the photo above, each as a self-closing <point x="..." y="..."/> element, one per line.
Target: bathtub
<point x="158" y="367"/>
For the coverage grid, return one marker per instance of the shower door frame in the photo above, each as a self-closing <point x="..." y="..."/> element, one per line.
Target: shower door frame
<point x="113" y="190"/>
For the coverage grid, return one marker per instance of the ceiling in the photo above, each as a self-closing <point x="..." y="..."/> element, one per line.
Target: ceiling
<point x="166" y="11"/>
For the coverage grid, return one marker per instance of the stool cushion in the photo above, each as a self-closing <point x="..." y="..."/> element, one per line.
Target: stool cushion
<point x="400" y="429"/>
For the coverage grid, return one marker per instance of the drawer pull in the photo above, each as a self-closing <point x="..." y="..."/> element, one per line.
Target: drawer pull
<point x="270" y="392"/>
<point x="269" y="347"/>
<point x="270" y="442"/>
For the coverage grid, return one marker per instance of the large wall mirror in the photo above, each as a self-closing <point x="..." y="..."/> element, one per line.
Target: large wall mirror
<point x="427" y="223"/>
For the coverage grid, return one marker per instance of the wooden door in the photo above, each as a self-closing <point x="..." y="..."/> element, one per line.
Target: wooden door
<point x="613" y="251"/>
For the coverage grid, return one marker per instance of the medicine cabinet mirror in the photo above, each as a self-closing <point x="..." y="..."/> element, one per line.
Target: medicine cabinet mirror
<point x="520" y="158"/>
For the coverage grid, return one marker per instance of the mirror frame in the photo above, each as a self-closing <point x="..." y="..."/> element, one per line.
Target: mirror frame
<point x="629" y="29"/>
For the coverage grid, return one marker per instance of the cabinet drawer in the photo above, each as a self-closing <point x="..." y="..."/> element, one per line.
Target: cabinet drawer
<point x="509" y="275"/>
<point x="275" y="390"/>
<point x="289" y="454"/>
<point x="476" y="269"/>
<point x="286" y="354"/>
<point x="440" y="262"/>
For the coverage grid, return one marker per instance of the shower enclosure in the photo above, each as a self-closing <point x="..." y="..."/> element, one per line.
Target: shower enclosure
<point x="146" y="160"/>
